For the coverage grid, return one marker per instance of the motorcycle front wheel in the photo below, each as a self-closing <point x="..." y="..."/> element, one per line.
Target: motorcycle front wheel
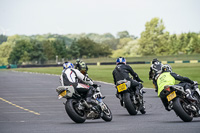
<point x="74" y="113"/>
<point x="179" y="106"/>
<point x="107" y="115"/>
<point x="129" y="105"/>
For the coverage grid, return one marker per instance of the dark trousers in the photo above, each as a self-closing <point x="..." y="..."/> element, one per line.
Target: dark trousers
<point x="135" y="86"/>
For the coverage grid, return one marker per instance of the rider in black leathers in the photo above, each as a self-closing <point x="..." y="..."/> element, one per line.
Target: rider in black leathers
<point x="154" y="72"/>
<point x="122" y="72"/>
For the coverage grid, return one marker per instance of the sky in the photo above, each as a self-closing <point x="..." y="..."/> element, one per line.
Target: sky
<point x="30" y="17"/>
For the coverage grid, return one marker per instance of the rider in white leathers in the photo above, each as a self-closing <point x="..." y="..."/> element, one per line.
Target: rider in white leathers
<point x="71" y="76"/>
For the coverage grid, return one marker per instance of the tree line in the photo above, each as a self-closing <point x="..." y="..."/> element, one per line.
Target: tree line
<point x="154" y="40"/>
<point x="18" y="49"/>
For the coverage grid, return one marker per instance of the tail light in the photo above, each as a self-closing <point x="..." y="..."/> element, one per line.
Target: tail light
<point x="167" y="89"/>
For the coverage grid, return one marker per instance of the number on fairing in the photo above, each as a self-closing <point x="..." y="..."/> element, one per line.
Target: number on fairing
<point x="96" y="95"/>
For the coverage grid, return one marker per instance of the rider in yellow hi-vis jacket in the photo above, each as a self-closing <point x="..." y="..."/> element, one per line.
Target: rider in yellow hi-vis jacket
<point x="167" y="77"/>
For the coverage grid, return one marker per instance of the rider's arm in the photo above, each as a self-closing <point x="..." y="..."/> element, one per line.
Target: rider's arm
<point x="150" y="73"/>
<point x="83" y="78"/>
<point x="180" y="78"/>
<point x="136" y="77"/>
<point x="86" y="67"/>
<point x="76" y="66"/>
<point x="114" y="78"/>
<point x="61" y="80"/>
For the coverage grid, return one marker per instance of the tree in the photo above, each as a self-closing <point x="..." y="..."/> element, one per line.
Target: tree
<point x="27" y="50"/>
<point x="20" y="52"/>
<point x="3" y="38"/>
<point x="84" y="47"/>
<point x="5" y="50"/>
<point x="153" y="40"/>
<point x="60" y="48"/>
<point x="123" y="42"/>
<point x="123" y="34"/>
<point x="130" y="49"/>
<point x="49" y="50"/>
<point x="37" y="52"/>
<point x="112" y="43"/>
<point x="193" y="45"/>
<point x="173" y="45"/>
<point x="75" y="49"/>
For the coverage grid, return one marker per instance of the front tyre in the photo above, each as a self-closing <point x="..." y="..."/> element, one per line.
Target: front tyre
<point x="107" y="115"/>
<point x="130" y="106"/>
<point x="74" y="113"/>
<point x="179" y="106"/>
<point x="143" y="110"/>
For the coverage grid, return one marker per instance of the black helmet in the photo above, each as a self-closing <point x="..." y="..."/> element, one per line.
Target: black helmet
<point x="155" y="60"/>
<point x="166" y="68"/>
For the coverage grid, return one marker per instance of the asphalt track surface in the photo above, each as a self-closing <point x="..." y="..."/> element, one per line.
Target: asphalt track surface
<point x="29" y="104"/>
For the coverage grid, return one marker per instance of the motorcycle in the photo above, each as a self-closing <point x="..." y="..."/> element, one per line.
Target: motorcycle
<point x="79" y="110"/>
<point x="184" y="108"/>
<point x="129" y="99"/>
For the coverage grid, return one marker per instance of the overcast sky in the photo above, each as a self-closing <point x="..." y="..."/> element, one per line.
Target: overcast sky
<point x="30" y="17"/>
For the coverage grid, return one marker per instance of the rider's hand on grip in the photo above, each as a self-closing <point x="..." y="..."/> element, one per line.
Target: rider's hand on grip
<point x="141" y="81"/>
<point x="95" y="85"/>
<point x="195" y="82"/>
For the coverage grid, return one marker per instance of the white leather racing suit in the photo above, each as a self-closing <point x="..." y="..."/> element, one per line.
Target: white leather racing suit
<point x="71" y="76"/>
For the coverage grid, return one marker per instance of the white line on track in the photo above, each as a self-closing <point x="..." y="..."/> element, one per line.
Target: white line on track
<point x="36" y="113"/>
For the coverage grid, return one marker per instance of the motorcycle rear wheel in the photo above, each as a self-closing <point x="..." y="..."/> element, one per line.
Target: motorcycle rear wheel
<point x="181" y="111"/>
<point x="74" y="113"/>
<point x="129" y="105"/>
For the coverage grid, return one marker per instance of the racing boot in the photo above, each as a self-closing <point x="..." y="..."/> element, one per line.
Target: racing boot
<point x="89" y="96"/>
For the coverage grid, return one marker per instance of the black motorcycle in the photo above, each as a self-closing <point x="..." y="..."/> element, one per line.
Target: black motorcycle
<point x="129" y="99"/>
<point x="79" y="110"/>
<point x="184" y="107"/>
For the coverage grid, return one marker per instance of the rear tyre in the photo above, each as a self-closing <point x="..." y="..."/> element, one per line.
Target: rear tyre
<point x="74" y="113"/>
<point x="129" y="105"/>
<point x="107" y="115"/>
<point x="179" y="106"/>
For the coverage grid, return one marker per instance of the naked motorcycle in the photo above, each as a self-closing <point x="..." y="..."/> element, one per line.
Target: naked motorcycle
<point x="129" y="99"/>
<point x="79" y="110"/>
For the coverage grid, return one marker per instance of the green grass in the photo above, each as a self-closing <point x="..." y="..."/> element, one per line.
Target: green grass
<point x="146" y="58"/>
<point x="104" y="73"/>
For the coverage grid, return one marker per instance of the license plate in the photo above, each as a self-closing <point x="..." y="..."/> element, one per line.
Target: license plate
<point x="171" y="96"/>
<point x="62" y="94"/>
<point x="121" y="87"/>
